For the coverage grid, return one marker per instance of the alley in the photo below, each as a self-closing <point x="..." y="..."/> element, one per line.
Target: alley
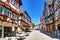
<point x="37" y="35"/>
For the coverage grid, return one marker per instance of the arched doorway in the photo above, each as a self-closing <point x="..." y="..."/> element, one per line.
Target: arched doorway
<point x="58" y="26"/>
<point x="58" y="30"/>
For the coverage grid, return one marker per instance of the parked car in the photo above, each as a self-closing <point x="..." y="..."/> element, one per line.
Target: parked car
<point x="28" y="31"/>
<point x="12" y="33"/>
<point x="25" y="33"/>
<point x="21" y="35"/>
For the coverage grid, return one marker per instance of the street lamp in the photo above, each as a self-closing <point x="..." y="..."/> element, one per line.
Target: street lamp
<point x="19" y="24"/>
<point x="19" y="20"/>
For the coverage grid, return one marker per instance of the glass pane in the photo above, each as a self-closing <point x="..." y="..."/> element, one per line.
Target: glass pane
<point x="9" y="12"/>
<point x="10" y="0"/>
<point x="6" y="11"/>
<point x="15" y="3"/>
<point x="0" y="31"/>
<point x="0" y="9"/>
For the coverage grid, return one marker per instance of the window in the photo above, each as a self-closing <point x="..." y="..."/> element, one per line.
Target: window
<point x="56" y="18"/>
<point x="57" y="2"/>
<point x="10" y="0"/>
<point x="0" y="9"/>
<point x="48" y="20"/>
<point x="15" y="16"/>
<point x="10" y="13"/>
<point x="0" y="31"/>
<point x="6" y="12"/>
<point x="51" y="9"/>
<point x="15" y="3"/>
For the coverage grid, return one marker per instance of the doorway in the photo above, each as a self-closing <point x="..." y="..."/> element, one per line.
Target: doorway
<point x="58" y="26"/>
<point x="7" y="30"/>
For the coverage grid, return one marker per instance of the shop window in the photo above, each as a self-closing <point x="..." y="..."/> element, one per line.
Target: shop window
<point x="7" y="31"/>
<point x="0" y="31"/>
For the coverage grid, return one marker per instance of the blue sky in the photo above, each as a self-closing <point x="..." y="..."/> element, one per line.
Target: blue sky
<point x="34" y="9"/>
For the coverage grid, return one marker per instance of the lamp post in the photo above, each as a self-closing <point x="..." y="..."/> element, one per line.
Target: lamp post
<point x="19" y="29"/>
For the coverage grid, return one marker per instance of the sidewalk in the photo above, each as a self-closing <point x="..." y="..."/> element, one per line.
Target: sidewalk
<point x="48" y="34"/>
<point x="37" y="35"/>
<point x="2" y="38"/>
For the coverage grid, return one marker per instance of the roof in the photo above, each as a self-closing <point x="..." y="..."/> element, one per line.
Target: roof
<point x="22" y="11"/>
<point x="49" y="2"/>
<point x="19" y="2"/>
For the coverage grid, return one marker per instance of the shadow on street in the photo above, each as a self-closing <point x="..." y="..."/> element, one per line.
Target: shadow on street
<point x="48" y="34"/>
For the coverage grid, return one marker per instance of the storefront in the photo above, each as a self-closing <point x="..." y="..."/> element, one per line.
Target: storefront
<point x="5" y="29"/>
<point x="0" y="31"/>
<point x="57" y="26"/>
<point x="50" y="27"/>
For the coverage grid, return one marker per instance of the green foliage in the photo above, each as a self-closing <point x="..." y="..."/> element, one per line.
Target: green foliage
<point x="33" y="25"/>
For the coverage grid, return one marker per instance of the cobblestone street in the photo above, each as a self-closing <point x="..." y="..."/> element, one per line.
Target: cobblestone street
<point x="37" y="35"/>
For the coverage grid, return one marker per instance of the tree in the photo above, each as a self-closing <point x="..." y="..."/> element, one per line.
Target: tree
<point x="33" y="25"/>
